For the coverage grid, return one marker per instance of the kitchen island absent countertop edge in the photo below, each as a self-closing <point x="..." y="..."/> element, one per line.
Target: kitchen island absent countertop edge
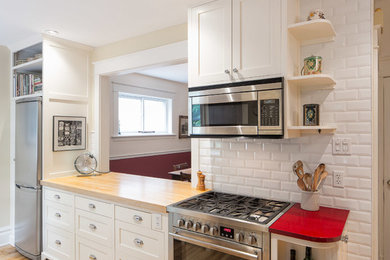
<point x="149" y="193"/>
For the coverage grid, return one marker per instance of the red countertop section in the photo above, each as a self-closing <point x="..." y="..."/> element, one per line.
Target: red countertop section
<point x="325" y="225"/>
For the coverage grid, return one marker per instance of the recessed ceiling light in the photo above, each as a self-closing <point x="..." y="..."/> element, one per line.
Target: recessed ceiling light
<point x="51" y="32"/>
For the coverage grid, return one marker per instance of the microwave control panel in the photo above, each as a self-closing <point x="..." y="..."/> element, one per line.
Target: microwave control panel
<point x="269" y="112"/>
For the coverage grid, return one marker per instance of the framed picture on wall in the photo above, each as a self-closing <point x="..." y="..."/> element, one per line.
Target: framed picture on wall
<point x="183" y="127"/>
<point x="69" y="133"/>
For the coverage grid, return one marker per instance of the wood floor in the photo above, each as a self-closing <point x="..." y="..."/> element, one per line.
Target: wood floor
<point x="10" y="253"/>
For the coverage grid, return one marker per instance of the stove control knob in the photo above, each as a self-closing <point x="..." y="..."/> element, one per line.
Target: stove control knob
<point x="205" y="229"/>
<point x="252" y="240"/>
<point x="180" y="222"/>
<point x="240" y="237"/>
<point x="189" y="224"/>
<point x="214" y="231"/>
<point x="197" y="226"/>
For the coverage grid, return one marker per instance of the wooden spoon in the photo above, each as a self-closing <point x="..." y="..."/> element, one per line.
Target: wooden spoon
<point x="308" y="178"/>
<point x="301" y="184"/>
<point x="322" y="180"/>
<point x="316" y="177"/>
<point x="298" y="169"/>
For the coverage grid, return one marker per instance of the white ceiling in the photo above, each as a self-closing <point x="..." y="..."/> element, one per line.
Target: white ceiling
<point x="92" y="22"/>
<point x="178" y="72"/>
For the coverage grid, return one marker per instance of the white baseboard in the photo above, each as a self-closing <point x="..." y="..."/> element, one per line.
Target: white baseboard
<point x="5" y="233"/>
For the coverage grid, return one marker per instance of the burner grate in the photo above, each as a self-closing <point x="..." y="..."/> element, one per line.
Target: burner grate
<point x="235" y="206"/>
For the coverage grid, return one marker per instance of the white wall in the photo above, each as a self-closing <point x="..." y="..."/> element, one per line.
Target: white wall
<point x="263" y="167"/>
<point x="127" y="147"/>
<point x="5" y="63"/>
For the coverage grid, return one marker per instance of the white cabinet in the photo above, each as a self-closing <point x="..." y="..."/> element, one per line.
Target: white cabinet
<point x="210" y="42"/>
<point x="78" y="227"/>
<point x="234" y="41"/>
<point x="256" y="38"/>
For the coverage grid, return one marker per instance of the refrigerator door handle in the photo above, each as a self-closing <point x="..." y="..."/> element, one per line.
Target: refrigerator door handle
<point x="26" y="187"/>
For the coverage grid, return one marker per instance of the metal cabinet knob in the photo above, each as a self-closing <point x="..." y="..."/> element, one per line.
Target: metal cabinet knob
<point x="92" y="257"/>
<point x="57" y="197"/>
<point x="92" y="226"/>
<point x="58" y="215"/>
<point x="137" y="218"/>
<point x="235" y="70"/>
<point x="58" y="242"/>
<point x="345" y="238"/>
<point x="227" y="71"/>
<point x="138" y="242"/>
<point x="92" y="206"/>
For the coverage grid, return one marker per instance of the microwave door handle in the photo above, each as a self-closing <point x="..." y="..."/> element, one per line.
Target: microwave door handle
<point x="219" y="248"/>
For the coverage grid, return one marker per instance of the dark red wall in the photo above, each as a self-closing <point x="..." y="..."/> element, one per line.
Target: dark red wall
<point x="152" y="166"/>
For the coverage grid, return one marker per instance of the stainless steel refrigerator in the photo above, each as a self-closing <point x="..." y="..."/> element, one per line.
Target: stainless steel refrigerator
<point x="28" y="173"/>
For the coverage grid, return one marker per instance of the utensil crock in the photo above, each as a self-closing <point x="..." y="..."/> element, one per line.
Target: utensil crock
<point x="310" y="200"/>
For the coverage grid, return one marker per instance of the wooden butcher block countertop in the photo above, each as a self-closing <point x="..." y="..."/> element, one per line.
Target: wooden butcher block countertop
<point x="144" y="192"/>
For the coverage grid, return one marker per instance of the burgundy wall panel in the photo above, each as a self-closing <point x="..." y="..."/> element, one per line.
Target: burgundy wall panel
<point x="152" y="166"/>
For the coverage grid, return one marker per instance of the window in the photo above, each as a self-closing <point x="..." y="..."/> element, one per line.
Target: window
<point x="143" y="115"/>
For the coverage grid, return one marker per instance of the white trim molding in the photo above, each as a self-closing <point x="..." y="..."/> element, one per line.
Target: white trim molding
<point x="5" y="234"/>
<point x="129" y="156"/>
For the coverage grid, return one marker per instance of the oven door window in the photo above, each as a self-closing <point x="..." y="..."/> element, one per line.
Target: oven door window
<point x="187" y="251"/>
<point x="225" y="114"/>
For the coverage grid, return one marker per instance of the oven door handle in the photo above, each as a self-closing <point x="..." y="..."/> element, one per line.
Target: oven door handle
<point x="219" y="248"/>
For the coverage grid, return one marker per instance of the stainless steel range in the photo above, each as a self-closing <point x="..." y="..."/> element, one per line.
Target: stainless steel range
<point x="221" y="226"/>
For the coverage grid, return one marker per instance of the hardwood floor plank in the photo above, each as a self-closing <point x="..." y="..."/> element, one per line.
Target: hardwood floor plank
<point x="9" y="253"/>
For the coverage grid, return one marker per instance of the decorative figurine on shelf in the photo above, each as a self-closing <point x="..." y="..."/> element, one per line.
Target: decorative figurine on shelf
<point x="316" y="14"/>
<point x="312" y="65"/>
<point x="201" y="186"/>
<point x="311" y="114"/>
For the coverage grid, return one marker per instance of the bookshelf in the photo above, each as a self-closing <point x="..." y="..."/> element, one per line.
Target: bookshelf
<point x="27" y="72"/>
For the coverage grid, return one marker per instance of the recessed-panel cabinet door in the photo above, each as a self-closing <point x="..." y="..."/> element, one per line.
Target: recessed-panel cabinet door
<point x="210" y="43"/>
<point x="256" y="38"/>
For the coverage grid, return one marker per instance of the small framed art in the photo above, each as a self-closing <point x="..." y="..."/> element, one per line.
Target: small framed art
<point x="69" y="133"/>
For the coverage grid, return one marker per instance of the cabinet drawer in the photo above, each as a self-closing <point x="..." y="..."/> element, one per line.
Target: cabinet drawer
<point x="135" y="217"/>
<point x="94" y="227"/>
<point x="59" y="215"/>
<point x="138" y="243"/>
<point x="86" y="250"/>
<point x="59" y="243"/>
<point x="95" y="206"/>
<point x="59" y="197"/>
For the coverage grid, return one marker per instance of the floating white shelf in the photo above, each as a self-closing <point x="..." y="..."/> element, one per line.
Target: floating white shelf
<point x="27" y="96"/>
<point x="321" y="129"/>
<point x="313" y="32"/>
<point x="31" y="66"/>
<point x="313" y="82"/>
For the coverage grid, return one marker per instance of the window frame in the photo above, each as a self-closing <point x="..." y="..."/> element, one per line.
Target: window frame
<point x="116" y="128"/>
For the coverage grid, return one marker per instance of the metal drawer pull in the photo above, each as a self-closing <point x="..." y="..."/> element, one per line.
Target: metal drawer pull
<point x="92" y="206"/>
<point x="138" y="242"/>
<point x="58" y="215"/>
<point x="235" y="70"/>
<point x="137" y="218"/>
<point x="92" y="257"/>
<point x="92" y="226"/>
<point x="58" y="242"/>
<point x="345" y="238"/>
<point x="57" y="196"/>
<point x="227" y="71"/>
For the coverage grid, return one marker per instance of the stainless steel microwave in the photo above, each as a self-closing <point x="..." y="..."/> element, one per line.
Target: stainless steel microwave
<point x="239" y="109"/>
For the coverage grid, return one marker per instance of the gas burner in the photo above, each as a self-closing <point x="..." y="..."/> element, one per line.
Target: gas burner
<point x="235" y="206"/>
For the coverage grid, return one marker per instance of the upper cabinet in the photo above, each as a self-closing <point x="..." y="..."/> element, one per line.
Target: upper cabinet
<point x="234" y="41"/>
